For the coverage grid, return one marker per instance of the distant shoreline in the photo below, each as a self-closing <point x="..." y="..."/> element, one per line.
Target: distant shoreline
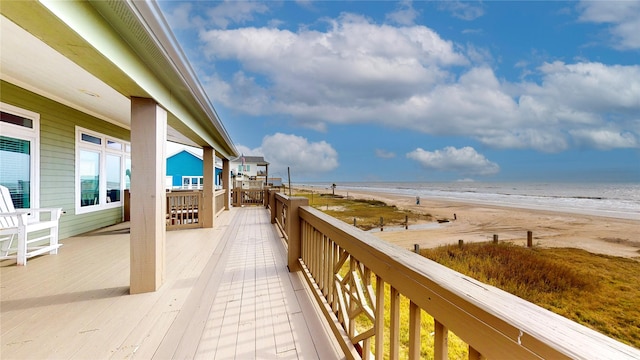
<point x="479" y="222"/>
<point x="557" y="203"/>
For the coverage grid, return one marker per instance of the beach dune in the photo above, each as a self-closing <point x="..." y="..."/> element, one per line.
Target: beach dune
<point x="475" y="222"/>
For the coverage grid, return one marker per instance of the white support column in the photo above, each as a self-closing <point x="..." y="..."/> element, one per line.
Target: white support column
<point x="207" y="212"/>
<point x="148" y="197"/>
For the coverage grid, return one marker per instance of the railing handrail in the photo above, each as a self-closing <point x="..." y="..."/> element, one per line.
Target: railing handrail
<point x="495" y="323"/>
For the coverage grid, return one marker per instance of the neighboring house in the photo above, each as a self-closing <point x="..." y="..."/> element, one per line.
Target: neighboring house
<point x="247" y="170"/>
<point x="89" y="93"/>
<point x="184" y="171"/>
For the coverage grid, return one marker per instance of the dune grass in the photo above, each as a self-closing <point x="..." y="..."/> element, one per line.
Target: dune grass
<point x="601" y="292"/>
<point x="366" y="212"/>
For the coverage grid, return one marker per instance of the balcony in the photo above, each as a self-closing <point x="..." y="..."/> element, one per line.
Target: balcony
<point x="228" y="293"/>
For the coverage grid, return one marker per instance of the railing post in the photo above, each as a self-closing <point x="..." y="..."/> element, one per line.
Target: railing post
<point x="273" y="205"/>
<point x="294" y="231"/>
<point x="207" y="205"/>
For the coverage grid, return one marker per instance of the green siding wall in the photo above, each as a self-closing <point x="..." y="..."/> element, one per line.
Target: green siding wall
<point x="57" y="157"/>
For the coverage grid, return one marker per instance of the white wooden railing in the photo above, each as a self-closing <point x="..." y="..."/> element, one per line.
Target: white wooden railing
<point x="352" y="274"/>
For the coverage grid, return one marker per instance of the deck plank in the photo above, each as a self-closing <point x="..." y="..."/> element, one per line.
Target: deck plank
<point x="227" y="294"/>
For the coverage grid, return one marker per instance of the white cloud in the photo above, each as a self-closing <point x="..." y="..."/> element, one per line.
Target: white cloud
<point x="304" y="158"/>
<point x="623" y="16"/>
<point x="465" y="10"/>
<point x="247" y="151"/>
<point x="604" y="139"/>
<point x="235" y="12"/>
<point x="405" y="77"/>
<point x="465" y="161"/>
<point x="404" y="15"/>
<point x="354" y="59"/>
<point x="591" y="87"/>
<point x="384" y="154"/>
<point x="180" y="17"/>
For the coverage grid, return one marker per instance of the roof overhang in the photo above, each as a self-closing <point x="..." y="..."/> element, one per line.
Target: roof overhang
<point x="94" y="56"/>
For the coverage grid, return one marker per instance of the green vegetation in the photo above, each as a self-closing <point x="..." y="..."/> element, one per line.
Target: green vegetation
<point x="457" y="349"/>
<point x="601" y="292"/>
<point x="366" y="212"/>
<point x="598" y="291"/>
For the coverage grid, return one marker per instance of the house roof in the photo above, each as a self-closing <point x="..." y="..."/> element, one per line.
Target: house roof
<point x="185" y="151"/>
<point x="259" y="160"/>
<point x="113" y="51"/>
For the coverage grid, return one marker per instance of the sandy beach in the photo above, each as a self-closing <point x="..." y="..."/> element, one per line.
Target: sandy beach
<point x="478" y="222"/>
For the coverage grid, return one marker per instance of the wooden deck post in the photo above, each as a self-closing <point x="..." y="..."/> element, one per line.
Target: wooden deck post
<point x="273" y="205"/>
<point x="206" y="211"/>
<point x="294" y="231"/>
<point x="226" y="183"/>
<point x="148" y="200"/>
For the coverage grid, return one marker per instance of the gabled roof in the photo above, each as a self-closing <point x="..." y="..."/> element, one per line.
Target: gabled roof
<point x="259" y="160"/>
<point x="185" y="151"/>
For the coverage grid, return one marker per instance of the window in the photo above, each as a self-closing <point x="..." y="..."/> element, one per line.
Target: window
<point x="192" y="182"/>
<point x="103" y="168"/>
<point x="19" y="155"/>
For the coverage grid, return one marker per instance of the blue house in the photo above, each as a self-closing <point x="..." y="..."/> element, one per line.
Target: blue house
<point x="184" y="171"/>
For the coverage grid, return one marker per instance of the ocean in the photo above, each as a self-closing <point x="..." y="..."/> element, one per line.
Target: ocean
<point x="618" y="200"/>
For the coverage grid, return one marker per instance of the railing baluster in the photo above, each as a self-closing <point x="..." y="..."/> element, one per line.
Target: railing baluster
<point x="319" y="274"/>
<point x="394" y="340"/>
<point x="325" y="265"/>
<point x="366" y="280"/>
<point x="350" y="296"/>
<point x="379" y="321"/>
<point x="475" y="354"/>
<point x="305" y="242"/>
<point x="414" y="331"/>
<point x="440" y="341"/>
<point x="334" y="259"/>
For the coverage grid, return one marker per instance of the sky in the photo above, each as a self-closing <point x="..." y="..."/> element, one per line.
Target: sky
<point x="335" y="91"/>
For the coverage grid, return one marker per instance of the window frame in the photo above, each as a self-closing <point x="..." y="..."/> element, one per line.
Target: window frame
<point x="27" y="134"/>
<point x="191" y="186"/>
<point x="103" y="149"/>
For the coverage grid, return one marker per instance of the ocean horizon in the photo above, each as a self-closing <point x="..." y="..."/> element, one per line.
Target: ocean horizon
<point x="618" y="200"/>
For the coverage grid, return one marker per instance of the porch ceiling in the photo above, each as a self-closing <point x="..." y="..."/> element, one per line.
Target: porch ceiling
<point x="125" y="58"/>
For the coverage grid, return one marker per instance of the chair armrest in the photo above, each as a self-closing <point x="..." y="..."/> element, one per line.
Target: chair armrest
<point x="20" y="215"/>
<point x="55" y="212"/>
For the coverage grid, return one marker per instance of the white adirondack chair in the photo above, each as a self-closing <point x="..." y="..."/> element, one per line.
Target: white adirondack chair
<point x="15" y="227"/>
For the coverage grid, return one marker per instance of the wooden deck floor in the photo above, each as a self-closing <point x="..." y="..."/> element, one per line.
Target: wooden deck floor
<point x="227" y="294"/>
